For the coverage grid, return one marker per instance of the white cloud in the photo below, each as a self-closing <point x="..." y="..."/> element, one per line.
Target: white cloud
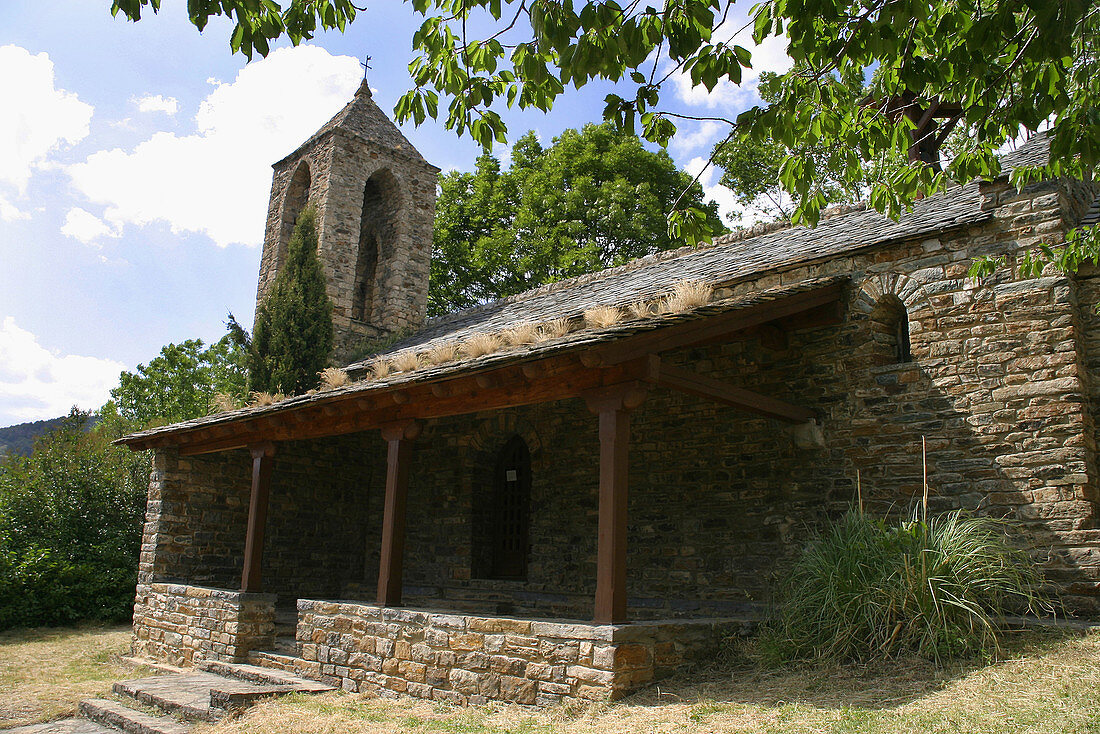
<point x="216" y="181"/>
<point x="771" y="55"/>
<point x="157" y="103"/>
<point x="36" y="383"/>
<point x="36" y="118"/>
<point x="10" y="212"/>
<point x="82" y="225"/>
<point x="732" y="212"/>
<point x="712" y="190"/>
<point x="705" y="135"/>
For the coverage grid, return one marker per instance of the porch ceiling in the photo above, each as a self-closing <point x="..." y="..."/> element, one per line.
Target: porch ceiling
<point x="571" y="366"/>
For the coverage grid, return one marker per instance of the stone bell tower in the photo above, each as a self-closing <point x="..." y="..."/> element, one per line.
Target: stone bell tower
<point x="375" y="200"/>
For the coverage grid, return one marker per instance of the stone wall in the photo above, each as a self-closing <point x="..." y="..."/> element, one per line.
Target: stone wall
<point x="184" y="625"/>
<point x="195" y="519"/>
<point x="464" y="659"/>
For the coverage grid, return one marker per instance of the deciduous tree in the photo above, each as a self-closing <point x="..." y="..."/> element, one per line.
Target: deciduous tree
<point x="180" y="383"/>
<point x="593" y="199"/>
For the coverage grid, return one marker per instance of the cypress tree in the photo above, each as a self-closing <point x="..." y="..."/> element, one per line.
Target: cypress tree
<point x="292" y="337"/>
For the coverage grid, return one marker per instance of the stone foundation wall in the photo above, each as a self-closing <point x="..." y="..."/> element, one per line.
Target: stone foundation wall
<point x="184" y="625"/>
<point x="470" y="660"/>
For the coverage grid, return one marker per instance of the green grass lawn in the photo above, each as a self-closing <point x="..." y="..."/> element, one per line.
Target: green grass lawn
<point x="1047" y="683"/>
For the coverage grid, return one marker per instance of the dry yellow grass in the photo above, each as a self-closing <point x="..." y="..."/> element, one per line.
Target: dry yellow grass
<point x="223" y="401"/>
<point x="554" y="329"/>
<point x="686" y="295"/>
<point x="601" y="317"/>
<point x="481" y="343"/>
<point x="45" y="673"/>
<point x="1042" y="688"/>
<point x="259" y="399"/>
<point x="641" y="309"/>
<point x="522" y="334"/>
<point x="406" y="361"/>
<point x="441" y="353"/>
<point x="333" y="377"/>
<point x="380" y="368"/>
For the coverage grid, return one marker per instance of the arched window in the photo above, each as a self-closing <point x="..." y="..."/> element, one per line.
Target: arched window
<point x="377" y="232"/>
<point x="294" y="201"/>
<point x="508" y="514"/>
<point x="890" y="321"/>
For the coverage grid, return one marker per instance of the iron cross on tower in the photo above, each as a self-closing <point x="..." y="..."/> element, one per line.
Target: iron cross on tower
<point x="365" y="63"/>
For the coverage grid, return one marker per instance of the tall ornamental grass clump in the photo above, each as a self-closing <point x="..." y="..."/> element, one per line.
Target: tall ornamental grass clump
<point x="866" y="588"/>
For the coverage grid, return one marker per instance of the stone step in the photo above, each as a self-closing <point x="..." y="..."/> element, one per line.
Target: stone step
<point x="199" y="696"/>
<point x="119" y="717"/>
<point x="264" y="676"/>
<point x="273" y="660"/>
<point x="64" y="726"/>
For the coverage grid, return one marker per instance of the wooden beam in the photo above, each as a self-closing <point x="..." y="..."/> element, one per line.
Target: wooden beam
<point x="687" y="381"/>
<point x="564" y="378"/>
<point x="399" y="437"/>
<point x="263" y="457"/>
<point x="613" y="405"/>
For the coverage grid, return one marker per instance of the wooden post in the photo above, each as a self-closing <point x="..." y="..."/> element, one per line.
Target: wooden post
<point x="399" y="437"/>
<point x="263" y="456"/>
<point x="613" y="405"/>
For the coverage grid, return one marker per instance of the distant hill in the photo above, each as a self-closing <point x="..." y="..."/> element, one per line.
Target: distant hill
<point x="19" y="439"/>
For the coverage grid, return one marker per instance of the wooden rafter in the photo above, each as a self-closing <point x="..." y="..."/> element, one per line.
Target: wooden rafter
<point x="687" y="381"/>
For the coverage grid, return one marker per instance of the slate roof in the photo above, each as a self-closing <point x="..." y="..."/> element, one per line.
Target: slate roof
<point x="572" y="342"/>
<point x="363" y="118"/>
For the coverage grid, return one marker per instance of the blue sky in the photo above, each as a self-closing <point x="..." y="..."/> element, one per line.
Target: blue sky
<point x="135" y="167"/>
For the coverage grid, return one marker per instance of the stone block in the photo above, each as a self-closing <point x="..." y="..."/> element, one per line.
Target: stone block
<point x="518" y="690"/>
<point x="464" y="681"/>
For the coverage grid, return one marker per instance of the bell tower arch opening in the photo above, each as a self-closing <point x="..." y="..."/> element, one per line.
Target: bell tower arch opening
<point x="378" y="234"/>
<point x="294" y="201"/>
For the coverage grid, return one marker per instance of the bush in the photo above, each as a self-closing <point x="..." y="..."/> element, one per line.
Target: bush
<point x="864" y="588"/>
<point x="70" y="528"/>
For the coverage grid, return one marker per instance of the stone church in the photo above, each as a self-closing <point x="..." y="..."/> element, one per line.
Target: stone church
<point x="570" y="492"/>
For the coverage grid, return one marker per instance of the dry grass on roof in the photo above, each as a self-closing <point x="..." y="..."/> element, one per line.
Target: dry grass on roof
<point x="442" y="353"/>
<point x="555" y="329"/>
<point x="406" y="361"/>
<point x="481" y="343"/>
<point x="602" y="317"/>
<point x="380" y="367"/>
<point x="263" y="398"/>
<point x="223" y="402"/>
<point x="333" y="378"/>
<point x="687" y="295"/>
<point x="1045" y="685"/>
<point x="521" y="334"/>
<point x="642" y="310"/>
